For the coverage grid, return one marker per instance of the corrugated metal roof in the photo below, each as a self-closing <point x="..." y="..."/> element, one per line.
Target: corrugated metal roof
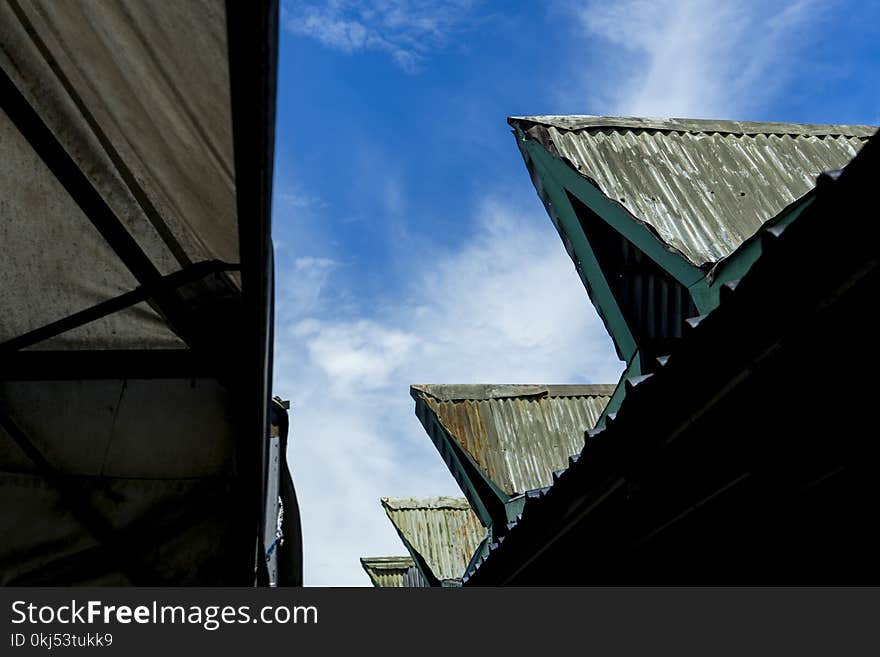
<point x="517" y="434"/>
<point x="703" y="186"/>
<point x="443" y="531"/>
<point x="392" y="572"/>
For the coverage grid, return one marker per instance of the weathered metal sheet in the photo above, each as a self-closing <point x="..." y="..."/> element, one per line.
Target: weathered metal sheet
<point x="392" y="572"/>
<point x="443" y="531"/>
<point x="517" y="435"/>
<point x="703" y="186"/>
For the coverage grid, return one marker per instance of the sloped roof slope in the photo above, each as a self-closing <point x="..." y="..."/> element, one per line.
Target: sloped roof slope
<point x="702" y="186"/>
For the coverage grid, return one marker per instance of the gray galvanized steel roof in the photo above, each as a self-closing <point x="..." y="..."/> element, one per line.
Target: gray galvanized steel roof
<point x="517" y="434"/>
<point x="391" y="572"/>
<point x="703" y="186"/>
<point x="443" y="531"/>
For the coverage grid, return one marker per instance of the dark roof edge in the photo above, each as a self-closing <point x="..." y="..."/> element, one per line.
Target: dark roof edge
<point x="584" y="122"/>
<point x="487" y="391"/>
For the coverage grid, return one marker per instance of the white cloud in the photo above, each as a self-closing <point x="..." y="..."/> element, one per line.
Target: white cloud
<point x="692" y="58"/>
<point x="507" y="306"/>
<point x="405" y="29"/>
<point x="303" y="287"/>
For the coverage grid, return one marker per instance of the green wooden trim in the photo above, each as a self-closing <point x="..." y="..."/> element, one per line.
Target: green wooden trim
<point x="616" y="216"/>
<point x="480" y="553"/>
<point x="633" y="369"/>
<point x="472" y="494"/>
<point x="564" y="217"/>
<point x="459" y="456"/>
<point x="703" y="298"/>
<point x="704" y="289"/>
<point x="515" y="506"/>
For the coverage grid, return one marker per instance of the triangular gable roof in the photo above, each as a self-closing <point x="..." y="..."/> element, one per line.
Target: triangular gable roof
<point x="518" y="435"/>
<point x="702" y="186"/>
<point x="392" y="572"/>
<point x="441" y="533"/>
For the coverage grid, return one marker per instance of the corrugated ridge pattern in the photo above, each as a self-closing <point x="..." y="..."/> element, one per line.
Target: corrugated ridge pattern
<point x="390" y="578"/>
<point x="703" y="193"/>
<point x="446" y="538"/>
<point x="707" y="126"/>
<point x="388" y="572"/>
<point x="519" y="442"/>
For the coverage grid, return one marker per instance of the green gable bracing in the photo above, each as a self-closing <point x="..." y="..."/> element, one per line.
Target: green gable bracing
<point x="657" y="215"/>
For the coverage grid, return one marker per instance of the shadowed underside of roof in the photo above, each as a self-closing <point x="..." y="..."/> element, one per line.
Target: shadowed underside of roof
<point x="133" y="438"/>
<point x="443" y="531"/>
<point x="703" y="186"/>
<point x="518" y="435"/>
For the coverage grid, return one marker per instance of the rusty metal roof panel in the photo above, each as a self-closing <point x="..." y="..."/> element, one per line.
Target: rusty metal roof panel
<point x="518" y="435"/>
<point x="392" y="572"/>
<point x="703" y="186"/>
<point x="443" y="531"/>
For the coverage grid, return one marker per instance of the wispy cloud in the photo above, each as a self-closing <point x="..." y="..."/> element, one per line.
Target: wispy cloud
<point x="405" y="29"/>
<point x="691" y="58"/>
<point x="507" y="306"/>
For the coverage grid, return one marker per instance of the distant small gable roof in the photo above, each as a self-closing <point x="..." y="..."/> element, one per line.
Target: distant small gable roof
<point x="390" y="572"/>
<point x="703" y="186"/>
<point x="441" y="533"/>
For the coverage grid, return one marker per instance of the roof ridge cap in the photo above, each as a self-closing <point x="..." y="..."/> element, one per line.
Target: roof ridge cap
<point x="578" y="122"/>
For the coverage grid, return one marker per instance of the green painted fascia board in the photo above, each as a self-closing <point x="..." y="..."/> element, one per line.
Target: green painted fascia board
<point x="633" y="369"/>
<point x="564" y="218"/>
<point x="470" y="490"/>
<point x="616" y="216"/>
<point x="480" y="553"/>
<point x="464" y="469"/>
<point x="513" y="505"/>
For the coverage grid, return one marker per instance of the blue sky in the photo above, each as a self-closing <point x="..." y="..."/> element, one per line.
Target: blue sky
<point x="410" y="244"/>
